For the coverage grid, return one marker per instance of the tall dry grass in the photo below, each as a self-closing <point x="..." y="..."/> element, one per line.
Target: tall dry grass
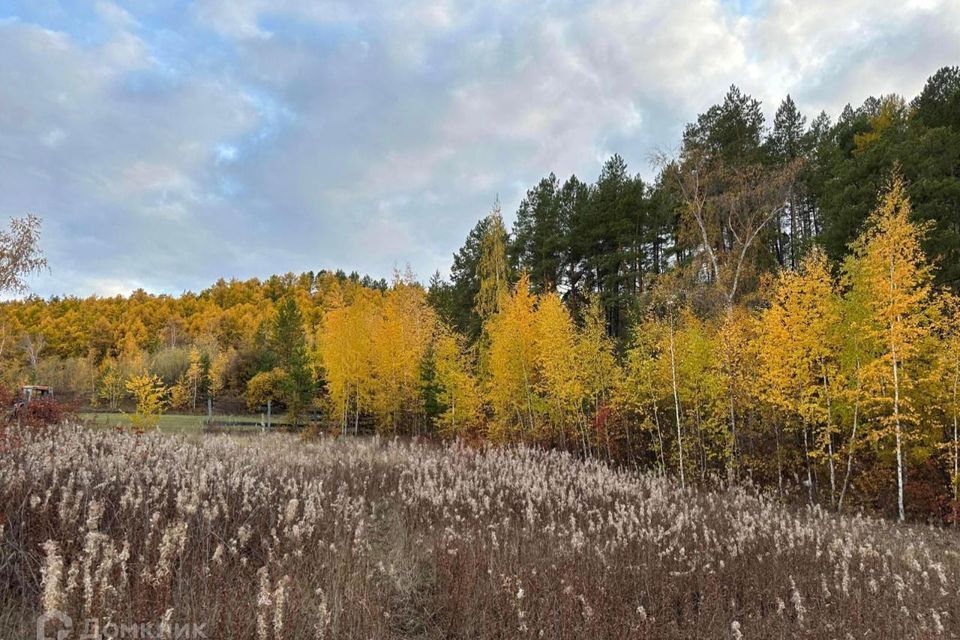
<point x="270" y="537"/>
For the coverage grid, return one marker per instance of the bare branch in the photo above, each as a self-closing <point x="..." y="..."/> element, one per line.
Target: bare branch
<point x="20" y="254"/>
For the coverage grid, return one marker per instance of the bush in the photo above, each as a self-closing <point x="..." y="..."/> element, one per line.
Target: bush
<point x="40" y="412"/>
<point x="274" y="385"/>
<point x="43" y="412"/>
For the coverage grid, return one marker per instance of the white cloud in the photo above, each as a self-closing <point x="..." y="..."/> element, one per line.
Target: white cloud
<point x="53" y="137"/>
<point x="282" y="135"/>
<point x="115" y="15"/>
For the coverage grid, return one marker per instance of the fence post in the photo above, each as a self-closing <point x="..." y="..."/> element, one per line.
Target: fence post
<point x="209" y="410"/>
<point x="269" y="413"/>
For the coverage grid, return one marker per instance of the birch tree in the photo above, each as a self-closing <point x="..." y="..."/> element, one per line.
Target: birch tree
<point x="895" y="279"/>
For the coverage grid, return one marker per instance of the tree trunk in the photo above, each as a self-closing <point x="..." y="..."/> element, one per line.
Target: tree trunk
<point x="793" y="232"/>
<point x="703" y="447"/>
<point x="806" y="456"/>
<point x="896" y="402"/>
<point x="826" y="391"/>
<point x="956" y="451"/>
<point x="956" y="471"/>
<point x="897" y="432"/>
<point x="656" y="422"/>
<point x="732" y="472"/>
<point x="676" y="402"/>
<point x="776" y="431"/>
<point x="853" y="439"/>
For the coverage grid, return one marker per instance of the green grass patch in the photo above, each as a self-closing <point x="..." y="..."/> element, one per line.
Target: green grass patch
<point x="175" y="423"/>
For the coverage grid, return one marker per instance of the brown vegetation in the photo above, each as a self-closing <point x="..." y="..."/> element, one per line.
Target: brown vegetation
<point x="369" y="538"/>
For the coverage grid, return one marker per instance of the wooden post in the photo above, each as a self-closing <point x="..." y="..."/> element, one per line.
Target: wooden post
<point x="209" y="409"/>
<point x="269" y="413"/>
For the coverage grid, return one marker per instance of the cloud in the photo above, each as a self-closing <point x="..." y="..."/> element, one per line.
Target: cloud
<point x="167" y="148"/>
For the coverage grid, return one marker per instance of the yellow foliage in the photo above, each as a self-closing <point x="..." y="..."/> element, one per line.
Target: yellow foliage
<point x="371" y="351"/>
<point x="893" y="280"/>
<point x="796" y="347"/>
<point x="149" y="394"/>
<point x="401" y="338"/>
<point x="218" y="370"/>
<point x="346" y="353"/>
<point x="179" y="395"/>
<point x="558" y="375"/>
<point x="597" y="363"/>
<point x="266" y="386"/>
<point x="511" y="383"/>
<point x="544" y="376"/>
<point x="458" y="392"/>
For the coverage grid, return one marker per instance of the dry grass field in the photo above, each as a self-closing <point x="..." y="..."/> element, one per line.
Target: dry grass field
<point x="273" y="537"/>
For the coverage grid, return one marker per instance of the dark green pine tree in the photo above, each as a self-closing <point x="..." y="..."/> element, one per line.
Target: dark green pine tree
<point x="786" y="141"/>
<point x="819" y="146"/>
<point x="731" y="131"/>
<point x="573" y="203"/>
<point x="938" y="105"/>
<point x="540" y="236"/>
<point x="663" y="207"/>
<point x="288" y="345"/>
<point x="867" y="143"/>
<point x="465" y="285"/>
<point x="440" y="298"/>
<point x="786" y="144"/>
<point x="610" y="240"/>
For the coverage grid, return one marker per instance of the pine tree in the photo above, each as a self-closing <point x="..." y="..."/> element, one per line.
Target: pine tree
<point x="289" y="348"/>
<point x="461" y="313"/>
<point x="539" y="236"/>
<point x="786" y="138"/>
<point x="610" y="233"/>
<point x="573" y="203"/>
<point x="787" y="143"/>
<point x="938" y="105"/>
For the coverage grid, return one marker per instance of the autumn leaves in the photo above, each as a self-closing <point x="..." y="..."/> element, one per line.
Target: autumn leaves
<point x="837" y="367"/>
<point x="842" y="370"/>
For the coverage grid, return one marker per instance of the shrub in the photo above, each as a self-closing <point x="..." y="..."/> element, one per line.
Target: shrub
<point x="150" y="395"/>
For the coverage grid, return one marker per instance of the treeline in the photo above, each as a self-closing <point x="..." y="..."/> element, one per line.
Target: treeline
<point x="844" y="383"/>
<point x="207" y="344"/>
<point x="776" y="305"/>
<point x="791" y="184"/>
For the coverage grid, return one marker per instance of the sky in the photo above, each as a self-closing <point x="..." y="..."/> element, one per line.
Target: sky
<point x="167" y="144"/>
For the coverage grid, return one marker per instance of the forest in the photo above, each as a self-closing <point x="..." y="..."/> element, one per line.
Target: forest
<point x="778" y="307"/>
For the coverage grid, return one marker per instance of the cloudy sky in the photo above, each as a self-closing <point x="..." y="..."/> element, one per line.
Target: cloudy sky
<point x="167" y="143"/>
